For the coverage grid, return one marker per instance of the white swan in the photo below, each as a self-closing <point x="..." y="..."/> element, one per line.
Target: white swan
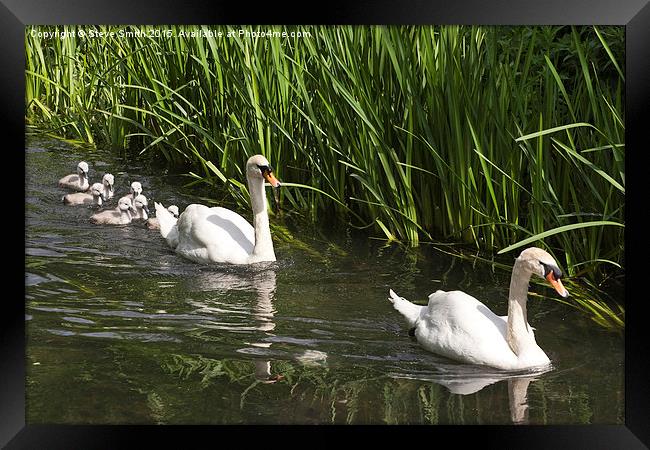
<point x="122" y="215"/>
<point x="78" y="181"/>
<point x="141" y="205"/>
<point x="92" y="197"/>
<point x="458" y="326"/>
<point x="154" y="224"/>
<point x="108" y="182"/>
<point x="209" y="235"/>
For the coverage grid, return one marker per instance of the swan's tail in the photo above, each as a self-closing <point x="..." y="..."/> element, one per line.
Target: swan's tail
<point x="168" y="225"/>
<point x="409" y="310"/>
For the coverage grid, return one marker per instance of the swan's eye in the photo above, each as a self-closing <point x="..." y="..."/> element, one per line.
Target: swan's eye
<point x="265" y="169"/>
<point x="548" y="268"/>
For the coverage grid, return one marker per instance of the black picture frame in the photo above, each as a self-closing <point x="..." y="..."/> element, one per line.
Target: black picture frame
<point x="16" y="14"/>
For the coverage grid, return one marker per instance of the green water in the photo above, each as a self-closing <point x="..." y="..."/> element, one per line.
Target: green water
<point x="120" y="330"/>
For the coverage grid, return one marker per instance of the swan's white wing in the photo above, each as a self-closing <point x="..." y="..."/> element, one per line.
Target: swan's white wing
<point x="458" y="326"/>
<point x="214" y="235"/>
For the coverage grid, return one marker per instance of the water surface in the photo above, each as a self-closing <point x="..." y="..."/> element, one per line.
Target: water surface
<point x="122" y="330"/>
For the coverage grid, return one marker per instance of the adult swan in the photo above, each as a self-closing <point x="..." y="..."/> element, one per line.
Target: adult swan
<point x="458" y="326"/>
<point x="219" y="235"/>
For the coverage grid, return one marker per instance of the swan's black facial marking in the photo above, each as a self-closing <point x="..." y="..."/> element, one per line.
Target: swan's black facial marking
<point x="548" y="268"/>
<point x="265" y="169"/>
<point x="267" y="173"/>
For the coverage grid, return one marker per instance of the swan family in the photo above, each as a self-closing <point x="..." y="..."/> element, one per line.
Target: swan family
<point x="453" y="323"/>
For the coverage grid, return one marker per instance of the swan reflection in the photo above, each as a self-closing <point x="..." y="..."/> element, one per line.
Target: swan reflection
<point x="518" y="399"/>
<point x="517" y="393"/>
<point x="467" y="379"/>
<point x="262" y="281"/>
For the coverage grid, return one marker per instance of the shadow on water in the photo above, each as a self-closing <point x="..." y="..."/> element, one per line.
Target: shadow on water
<point x="122" y="330"/>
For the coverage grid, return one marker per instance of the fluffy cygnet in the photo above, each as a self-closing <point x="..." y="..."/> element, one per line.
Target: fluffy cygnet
<point x="108" y="182"/>
<point x="136" y="189"/>
<point x="78" y="181"/>
<point x="92" y="197"/>
<point x="154" y="224"/>
<point x="141" y="207"/>
<point x="122" y="215"/>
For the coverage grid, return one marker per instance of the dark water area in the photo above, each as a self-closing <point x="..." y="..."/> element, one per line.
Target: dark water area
<point x="121" y="330"/>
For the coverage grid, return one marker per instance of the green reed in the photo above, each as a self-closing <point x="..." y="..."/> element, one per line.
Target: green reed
<point x="481" y="135"/>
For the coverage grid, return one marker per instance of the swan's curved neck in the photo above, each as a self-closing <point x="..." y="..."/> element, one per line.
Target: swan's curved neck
<point x="263" y="250"/>
<point x="517" y="333"/>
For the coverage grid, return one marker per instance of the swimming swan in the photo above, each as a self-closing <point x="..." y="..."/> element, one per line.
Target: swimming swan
<point x="92" y="197"/>
<point x="458" y="326"/>
<point x="209" y="235"/>
<point x="154" y="224"/>
<point x="78" y="182"/>
<point x="141" y="205"/>
<point x="122" y="215"/>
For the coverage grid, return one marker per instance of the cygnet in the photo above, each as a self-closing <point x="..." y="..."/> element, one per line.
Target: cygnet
<point x="122" y="215"/>
<point x="141" y="207"/>
<point x="136" y="189"/>
<point x="92" y="197"/>
<point x="78" y="181"/>
<point x="108" y="182"/>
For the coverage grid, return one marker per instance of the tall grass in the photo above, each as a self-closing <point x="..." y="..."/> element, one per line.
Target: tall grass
<point x="481" y="135"/>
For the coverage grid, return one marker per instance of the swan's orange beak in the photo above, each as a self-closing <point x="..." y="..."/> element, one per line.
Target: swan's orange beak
<point x="270" y="178"/>
<point x="557" y="284"/>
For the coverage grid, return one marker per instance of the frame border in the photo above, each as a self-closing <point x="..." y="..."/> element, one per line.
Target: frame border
<point x="15" y="15"/>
